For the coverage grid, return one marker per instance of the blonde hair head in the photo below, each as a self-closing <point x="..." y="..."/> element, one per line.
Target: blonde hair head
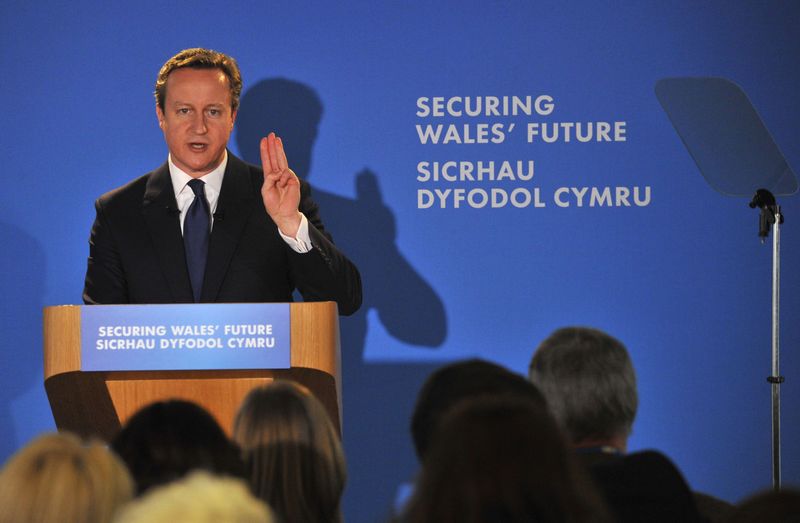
<point x="58" y="478"/>
<point x="199" y="497"/>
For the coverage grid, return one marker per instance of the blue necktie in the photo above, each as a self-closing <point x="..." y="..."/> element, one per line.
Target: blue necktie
<point x="196" y="228"/>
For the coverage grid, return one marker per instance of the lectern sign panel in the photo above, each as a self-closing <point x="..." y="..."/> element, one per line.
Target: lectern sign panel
<point x="185" y="337"/>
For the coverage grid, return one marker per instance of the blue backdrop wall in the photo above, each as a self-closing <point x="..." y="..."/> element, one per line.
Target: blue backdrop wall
<point x="678" y="274"/>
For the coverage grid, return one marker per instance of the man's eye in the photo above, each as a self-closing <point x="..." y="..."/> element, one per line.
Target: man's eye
<point x="183" y="110"/>
<point x="214" y="112"/>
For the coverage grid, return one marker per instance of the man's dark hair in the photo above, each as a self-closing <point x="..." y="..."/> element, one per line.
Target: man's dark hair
<point x="199" y="58"/>
<point x="451" y="384"/>
<point x="588" y="381"/>
<point x="502" y="459"/>
<point x="166" y="440"/>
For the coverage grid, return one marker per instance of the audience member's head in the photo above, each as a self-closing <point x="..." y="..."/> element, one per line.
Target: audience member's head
<point x="646" y="486"/>
<point x="200" y="497"/>
<point x="57" y="478"/>
<point x="588" y="380"/>
<point x="293" y="452"/>
<point x="455" y="382"/>
<point x="771" y="506"/>
<point x="501" y="459"/>
<point x="166" y="440"/>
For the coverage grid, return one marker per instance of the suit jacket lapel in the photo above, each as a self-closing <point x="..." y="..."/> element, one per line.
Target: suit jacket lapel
<point x="234" y="206"/>
<point x="160" y="212"/>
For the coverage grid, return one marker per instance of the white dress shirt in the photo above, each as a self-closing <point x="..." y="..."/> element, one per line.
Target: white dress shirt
<point x="213" y="185"/>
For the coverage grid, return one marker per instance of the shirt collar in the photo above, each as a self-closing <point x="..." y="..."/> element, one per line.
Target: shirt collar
<point x="212" y="179"/>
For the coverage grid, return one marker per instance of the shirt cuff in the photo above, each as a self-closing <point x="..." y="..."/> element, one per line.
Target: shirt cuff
<point x="302" y="243"/>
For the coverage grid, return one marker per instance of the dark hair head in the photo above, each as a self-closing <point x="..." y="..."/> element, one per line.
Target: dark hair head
<point x="455" y="382"/>
<point x="588" y="380"/>
<point x="771" y="506"/>
<point x="645" y="486"/>
<point x="501" y="459"/>
<point x="165" y="440"/>
<point x="199" y="58"/>
<point x="293" y="452"/>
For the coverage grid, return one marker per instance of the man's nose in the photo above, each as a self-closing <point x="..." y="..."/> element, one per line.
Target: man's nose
<point x="199" y="124"/>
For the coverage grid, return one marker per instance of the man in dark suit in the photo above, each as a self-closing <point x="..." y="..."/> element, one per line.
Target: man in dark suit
<point x="205" y="226"/>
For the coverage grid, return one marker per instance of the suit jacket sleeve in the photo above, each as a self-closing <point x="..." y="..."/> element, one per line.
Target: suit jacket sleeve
<point x="105" y="277"/>
<point x="324" y="273"/>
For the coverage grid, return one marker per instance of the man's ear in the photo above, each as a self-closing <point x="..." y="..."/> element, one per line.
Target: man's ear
<point x="160" y="116"/>
<point x="233" y="118"/>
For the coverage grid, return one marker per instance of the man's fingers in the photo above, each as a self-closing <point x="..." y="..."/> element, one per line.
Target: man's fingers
<point x="269" y="161"/>
<point x="273" y="156"/>
<point x="264" y="147"/>
<point x="273" y="152"/>
<point x="284" y="180"/>
<point x="277" y="174"/>
<point x="281" y="180"/>
<point x="270" y="180"/>
<point x="283" y="164"/>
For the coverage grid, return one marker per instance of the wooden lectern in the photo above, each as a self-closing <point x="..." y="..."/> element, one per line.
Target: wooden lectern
<point x="98" y="403"/>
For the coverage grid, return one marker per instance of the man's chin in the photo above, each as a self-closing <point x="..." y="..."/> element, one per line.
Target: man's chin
<point x="199" y="168"/>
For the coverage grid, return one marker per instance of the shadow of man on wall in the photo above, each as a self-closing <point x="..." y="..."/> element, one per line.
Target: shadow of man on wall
<point x="377" y="397"/>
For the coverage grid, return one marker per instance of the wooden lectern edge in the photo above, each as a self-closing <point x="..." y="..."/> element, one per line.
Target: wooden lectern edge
<point x="71" y="390"/>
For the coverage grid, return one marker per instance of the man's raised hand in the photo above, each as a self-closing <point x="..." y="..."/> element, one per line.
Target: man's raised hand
<point x="281" y="188"/>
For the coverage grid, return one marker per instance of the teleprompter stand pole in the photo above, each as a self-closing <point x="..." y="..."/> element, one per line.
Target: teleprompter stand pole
<point x="771" y="217"/>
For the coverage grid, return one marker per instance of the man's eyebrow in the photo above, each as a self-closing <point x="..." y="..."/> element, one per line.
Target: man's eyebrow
<point x="178" y="103"/>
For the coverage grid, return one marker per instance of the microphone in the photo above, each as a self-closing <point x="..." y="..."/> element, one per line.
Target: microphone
<point x="172" y="211"/>
<point x="219" y="215"/>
